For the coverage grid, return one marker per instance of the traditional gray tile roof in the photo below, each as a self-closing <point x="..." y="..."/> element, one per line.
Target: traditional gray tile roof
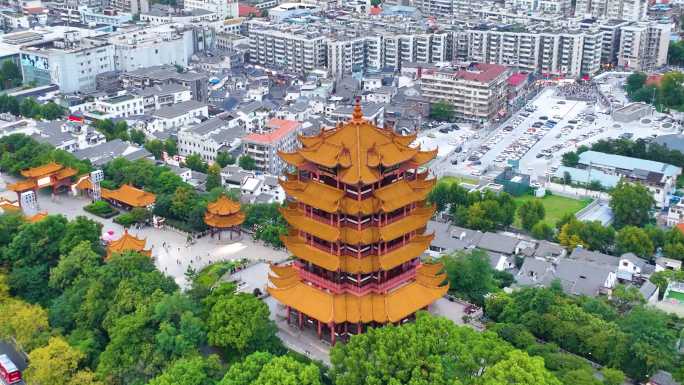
<point x="547" y="249"/>
<point x="581" y="254"/>
<point x="452" y="238"/>
<point x="535" y="272"/>
<point x="105" y="152"/>
<point x="580" y="277"/>
<point x="638" y="262"/>
<point x="498" y="243"/>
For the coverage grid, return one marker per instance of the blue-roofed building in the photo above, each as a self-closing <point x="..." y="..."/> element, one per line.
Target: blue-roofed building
<point x="584" y="177"/>
<point x="660" y="178"/>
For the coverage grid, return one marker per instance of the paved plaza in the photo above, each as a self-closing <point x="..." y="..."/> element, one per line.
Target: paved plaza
<point x="172" y="255"/>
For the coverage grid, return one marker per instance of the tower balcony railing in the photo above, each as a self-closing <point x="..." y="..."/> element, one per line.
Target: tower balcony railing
<point x="347" y="287"/>
<point x="378" y="251"/>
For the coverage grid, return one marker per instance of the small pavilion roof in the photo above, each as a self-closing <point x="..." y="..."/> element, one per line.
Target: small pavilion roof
<point x="224" y="213"/>
<point x="36" y="218"/>
<point x="223" y="206"/>
<point x="127" y="242"/>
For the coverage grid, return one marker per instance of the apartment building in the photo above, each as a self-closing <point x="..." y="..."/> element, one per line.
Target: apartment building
<point x="611" y="38"/>
<point x="70" y="62"/>
<point x="568" y="51"/>
<point x="208" y="138"/>
<point x="347" y="56"/>
<point x="550" y="7"/>
<point x="643" y="46"/>
<point x="225" y="9"/>
<point x="512" y="48"/>
<point x="130" y="6"/>
<point x="263" y="148"/>
<point x="630" y="10"/>
<point x="477" y="91"/>
<point x="296" y="49"/>
<point x="437" y="8"/>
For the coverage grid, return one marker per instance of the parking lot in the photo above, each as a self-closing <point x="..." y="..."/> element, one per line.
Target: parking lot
<point x="546" y="128"/>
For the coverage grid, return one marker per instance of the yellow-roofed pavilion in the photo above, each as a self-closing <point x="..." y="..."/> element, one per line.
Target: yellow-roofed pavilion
<point x="127" y="242"/>
<point x="224" y="215"/>
<point x="357" y="215"/>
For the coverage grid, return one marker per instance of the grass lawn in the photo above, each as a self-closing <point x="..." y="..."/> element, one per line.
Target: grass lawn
<point x="458" y="179"/>
<point x="556" y="206"/>
<point x="208" y="276"/>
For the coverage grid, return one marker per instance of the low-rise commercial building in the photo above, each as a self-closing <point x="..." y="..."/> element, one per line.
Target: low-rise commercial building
<point x="71" y="62"/>
<point x="659" y="178"/>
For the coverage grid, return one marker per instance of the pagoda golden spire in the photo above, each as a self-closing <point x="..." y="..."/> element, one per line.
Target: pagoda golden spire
<point x="357" y="115"/>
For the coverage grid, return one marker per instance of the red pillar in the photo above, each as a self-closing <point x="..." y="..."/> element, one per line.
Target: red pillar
<point x="319" y="327"/>
<point x="301" y="321"/>
<point x="332" y="334"/>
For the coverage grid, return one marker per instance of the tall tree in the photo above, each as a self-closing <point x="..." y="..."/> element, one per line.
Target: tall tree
<point x="530" y="213"/>
<point x="632" y="204"/>
<point x="78" y="230"/>
<point x="224" y="159"/>
<point x="265" y="369"/>
<point x="54" y="364"/>
<point x="190" y="371"/>
<point x="25" y="323"/>
<point x="81" y="262"/>
<point x="442" y="111"/>
<point x="240" y="323"/>
<point x="194" y="162"/>
<point x="470" y="274"/>
<point x="246" y="162"/>
<point x="213" y="177"/>
<point x="631" y="239"/>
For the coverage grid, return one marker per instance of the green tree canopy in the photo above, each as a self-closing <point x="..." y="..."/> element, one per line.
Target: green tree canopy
<point x="530" y="213"/>
<point x="195" y="162"/>
<point x="519" y="369"/>
<point x="224" y="159"/>
<point x="442" y="111"/>
<point x="470" y="275"/>
<point x="440" y="353"/>
<point x="265" y="369"/>
<point x="631" y="204"/>
<point x="213" y="177"/>
<point x="631" y="239"/>
<point x="246" y="162"/>
<point x="190" y="371"/>
<point x="240" y="323"/>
